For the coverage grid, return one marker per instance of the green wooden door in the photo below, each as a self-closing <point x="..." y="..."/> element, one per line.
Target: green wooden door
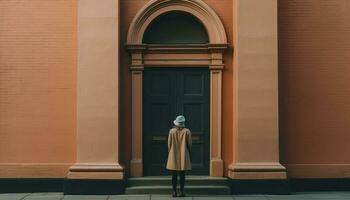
<point x="168" y="93"/>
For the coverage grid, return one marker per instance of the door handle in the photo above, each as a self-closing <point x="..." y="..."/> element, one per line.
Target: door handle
<point x="196" y="139"/>
<point x="159" y="138"/>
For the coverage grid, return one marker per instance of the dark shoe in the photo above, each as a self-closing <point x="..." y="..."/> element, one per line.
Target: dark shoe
<point x="174" y="194"/>
<point x="182" y="194"/>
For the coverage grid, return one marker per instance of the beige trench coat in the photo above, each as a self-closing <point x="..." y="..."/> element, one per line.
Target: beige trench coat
<point x="179" y="148"/>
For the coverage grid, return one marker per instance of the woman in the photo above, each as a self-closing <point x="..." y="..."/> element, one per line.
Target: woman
<point x="179" y="147"/>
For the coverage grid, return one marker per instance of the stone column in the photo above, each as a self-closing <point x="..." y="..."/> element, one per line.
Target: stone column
<point x="216" y="162"/>
<point x="136" y="163"/>
<point x="256" y="149"/>
<point x="98" y="94"/>
<point x="216" y="67"/>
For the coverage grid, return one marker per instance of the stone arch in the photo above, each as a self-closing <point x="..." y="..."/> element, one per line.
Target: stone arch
<point x="198" y="8"/>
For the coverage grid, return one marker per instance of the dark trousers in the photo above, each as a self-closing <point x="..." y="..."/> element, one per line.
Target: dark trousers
<point x="182" y="180"/>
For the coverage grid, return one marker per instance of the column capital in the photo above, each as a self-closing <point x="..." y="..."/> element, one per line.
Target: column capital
<point x="136" y="48"/>
<point x="217" y="48"/>
<point x="137" y="68"/>
<point x="219" y="67"/>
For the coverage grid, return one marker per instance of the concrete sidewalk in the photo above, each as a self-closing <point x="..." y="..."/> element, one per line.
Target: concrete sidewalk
<point x="60" y="196"/>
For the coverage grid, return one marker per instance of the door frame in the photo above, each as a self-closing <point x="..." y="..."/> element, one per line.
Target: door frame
<point x="186" y="55"/>
<point x="174" y="80"/>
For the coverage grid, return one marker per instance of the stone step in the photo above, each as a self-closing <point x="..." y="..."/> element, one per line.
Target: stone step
<point x="166" y="180"/>
<point x="190" y="190"/>
<point x="194" y="185"/>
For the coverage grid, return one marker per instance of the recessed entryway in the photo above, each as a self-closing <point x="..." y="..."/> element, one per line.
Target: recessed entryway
<point x="193" y="49"/>
<point x="168" y="92"/>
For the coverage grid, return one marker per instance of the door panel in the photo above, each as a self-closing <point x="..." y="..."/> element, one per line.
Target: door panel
<point x="168" y="93"/>
<point x="193" y="84"/>
<point x="193" y="103"/>
<point x="158" y="101"/>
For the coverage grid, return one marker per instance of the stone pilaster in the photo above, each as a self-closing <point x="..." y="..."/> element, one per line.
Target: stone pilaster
<point x="256" y="149"/>
<point x="98" y="94"/>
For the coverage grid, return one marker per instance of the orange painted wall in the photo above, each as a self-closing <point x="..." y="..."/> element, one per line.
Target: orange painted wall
<point x="128" y="11"/>
<point x="37" y="81"/>
<point x="314" y="78"/>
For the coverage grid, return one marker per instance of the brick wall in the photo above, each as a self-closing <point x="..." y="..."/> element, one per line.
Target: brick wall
<point x="37" y="81"/>
<point x="314" y="73"/>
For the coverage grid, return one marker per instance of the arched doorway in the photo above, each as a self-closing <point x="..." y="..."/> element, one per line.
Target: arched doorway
<point x="171" y="91"/>
<point x="166" y="57"/>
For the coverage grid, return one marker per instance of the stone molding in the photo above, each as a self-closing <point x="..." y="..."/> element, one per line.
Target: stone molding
<point x="198" y="8"/>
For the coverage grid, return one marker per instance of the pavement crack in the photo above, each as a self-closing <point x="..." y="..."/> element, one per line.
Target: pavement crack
<point x="25" y="196"/>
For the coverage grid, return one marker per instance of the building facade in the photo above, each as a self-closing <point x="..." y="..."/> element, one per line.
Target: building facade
<point x="89" y="90"/>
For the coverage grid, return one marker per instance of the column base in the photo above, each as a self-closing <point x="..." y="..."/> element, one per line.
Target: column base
<point x="258" y="178"/>
<point x="96" y="171"/>
<point x="94" y="179"/>
<point x="136" y="168"/>
<point x="257" y="171"/>
<point x="216" y="167"/>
